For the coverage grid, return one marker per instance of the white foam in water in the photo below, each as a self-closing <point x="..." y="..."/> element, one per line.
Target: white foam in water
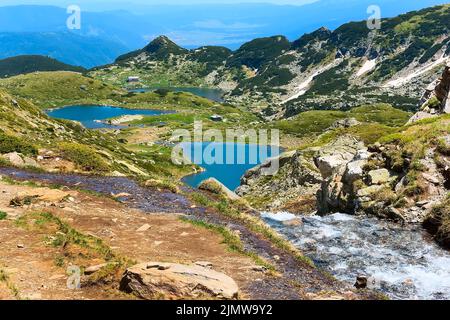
<point x="280" y="217"/>
<point x="403" y="263"/>
<point x="342" y="217"/>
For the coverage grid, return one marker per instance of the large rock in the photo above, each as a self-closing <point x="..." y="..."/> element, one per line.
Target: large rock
<point x="369" y="191"/>
<point x="338" y="174"/>
<point x="19" y="160"/>
<point x="345" y="123"/>
<point x="380" y="176"/>
<point x="176" y="281"/>
<point x="215" y="186"/>
<point x="14" y="158"/>
<point x="446" y="108"/>
<point x="39" y="195"/>
<point x="354" y="171"/>
<point x="336" y="155"/>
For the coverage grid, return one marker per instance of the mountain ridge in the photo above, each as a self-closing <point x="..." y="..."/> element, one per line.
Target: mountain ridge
<point x="321" y="67"/>
<point x="32" y="63"/>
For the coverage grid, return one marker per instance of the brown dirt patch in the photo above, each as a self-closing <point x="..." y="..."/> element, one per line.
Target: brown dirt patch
<point x="32" y="264"/>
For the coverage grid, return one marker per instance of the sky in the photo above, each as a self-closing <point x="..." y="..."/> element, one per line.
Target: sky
<point x="152" y="2"/>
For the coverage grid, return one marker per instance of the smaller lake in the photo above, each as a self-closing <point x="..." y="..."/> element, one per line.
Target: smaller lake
<point x="89" y="115"/>
<point x="243" y="157"/>
<point x="208" y="93"/>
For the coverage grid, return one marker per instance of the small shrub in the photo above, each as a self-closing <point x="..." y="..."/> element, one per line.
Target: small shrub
<point x="3" y="215"/>
<point x="397" y="160"/>
<point x="84" y="156"/>
<point x="438" y="223"/>
<point x="443" y="148"/>
<point x="15" y="144"/>
<point x="373" y="164"/>
<point x="386" y="195"/>
<point x="162" y="92"/>
<point x="433" y="103"/>
<point x="164" y="185"/>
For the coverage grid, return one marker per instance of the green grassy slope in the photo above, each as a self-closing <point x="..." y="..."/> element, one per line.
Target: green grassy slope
<point x="31" y="63"/>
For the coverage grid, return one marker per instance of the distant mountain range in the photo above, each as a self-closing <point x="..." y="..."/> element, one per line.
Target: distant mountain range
<point x="325" y="69"/>
<point x="67" y="47"/>
<point x="105" y="35"/>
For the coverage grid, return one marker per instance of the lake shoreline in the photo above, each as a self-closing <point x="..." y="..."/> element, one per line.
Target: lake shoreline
<point x="97" y="116"/>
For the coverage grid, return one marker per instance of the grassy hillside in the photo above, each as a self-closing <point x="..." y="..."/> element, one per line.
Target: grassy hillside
<point x="55" y="89"/>
<point x="24" y="128"/>
<point x="376" y="120"/>
<point x="31" y="63"/>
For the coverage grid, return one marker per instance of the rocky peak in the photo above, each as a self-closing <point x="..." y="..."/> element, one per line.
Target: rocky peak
<point x="320" y="34"/>
<point x="162" y="45"/>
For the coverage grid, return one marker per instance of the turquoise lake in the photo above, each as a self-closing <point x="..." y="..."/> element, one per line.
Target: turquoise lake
<point x="250" y="155"/>
<point x="89" y="115"/>
<point x="208" y="93"/>
<point x="246" y="156"/>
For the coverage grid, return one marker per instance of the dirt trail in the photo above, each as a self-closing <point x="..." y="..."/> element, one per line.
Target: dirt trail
<point x="168" y="239"/>
<point x="30" y="263"/>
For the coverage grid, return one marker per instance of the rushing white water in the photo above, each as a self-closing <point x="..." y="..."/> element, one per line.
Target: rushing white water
<point x="402" y="261"/>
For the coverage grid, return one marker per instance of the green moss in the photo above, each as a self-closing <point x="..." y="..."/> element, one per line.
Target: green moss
<point x="210" y="186"/>
<point x="162" y="184"/>
<point x="3" y="215"/>
<point x="443" y="148"/>
<point x="433" y="103"/>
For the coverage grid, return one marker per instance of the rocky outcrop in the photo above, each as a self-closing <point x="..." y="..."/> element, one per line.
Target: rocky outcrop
<point x="293" y="188"/>
<point x="340" y="163"/>
<point x="436" y="99"/>
<point x="382" y="182"/>
<point x="345" y="123"/>
<point x="345" y="176"/>
<point x="176" y="281"/>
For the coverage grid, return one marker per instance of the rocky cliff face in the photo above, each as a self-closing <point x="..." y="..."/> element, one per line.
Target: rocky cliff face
<point x="384" y="181"/>
<point x="436" y="99"/>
